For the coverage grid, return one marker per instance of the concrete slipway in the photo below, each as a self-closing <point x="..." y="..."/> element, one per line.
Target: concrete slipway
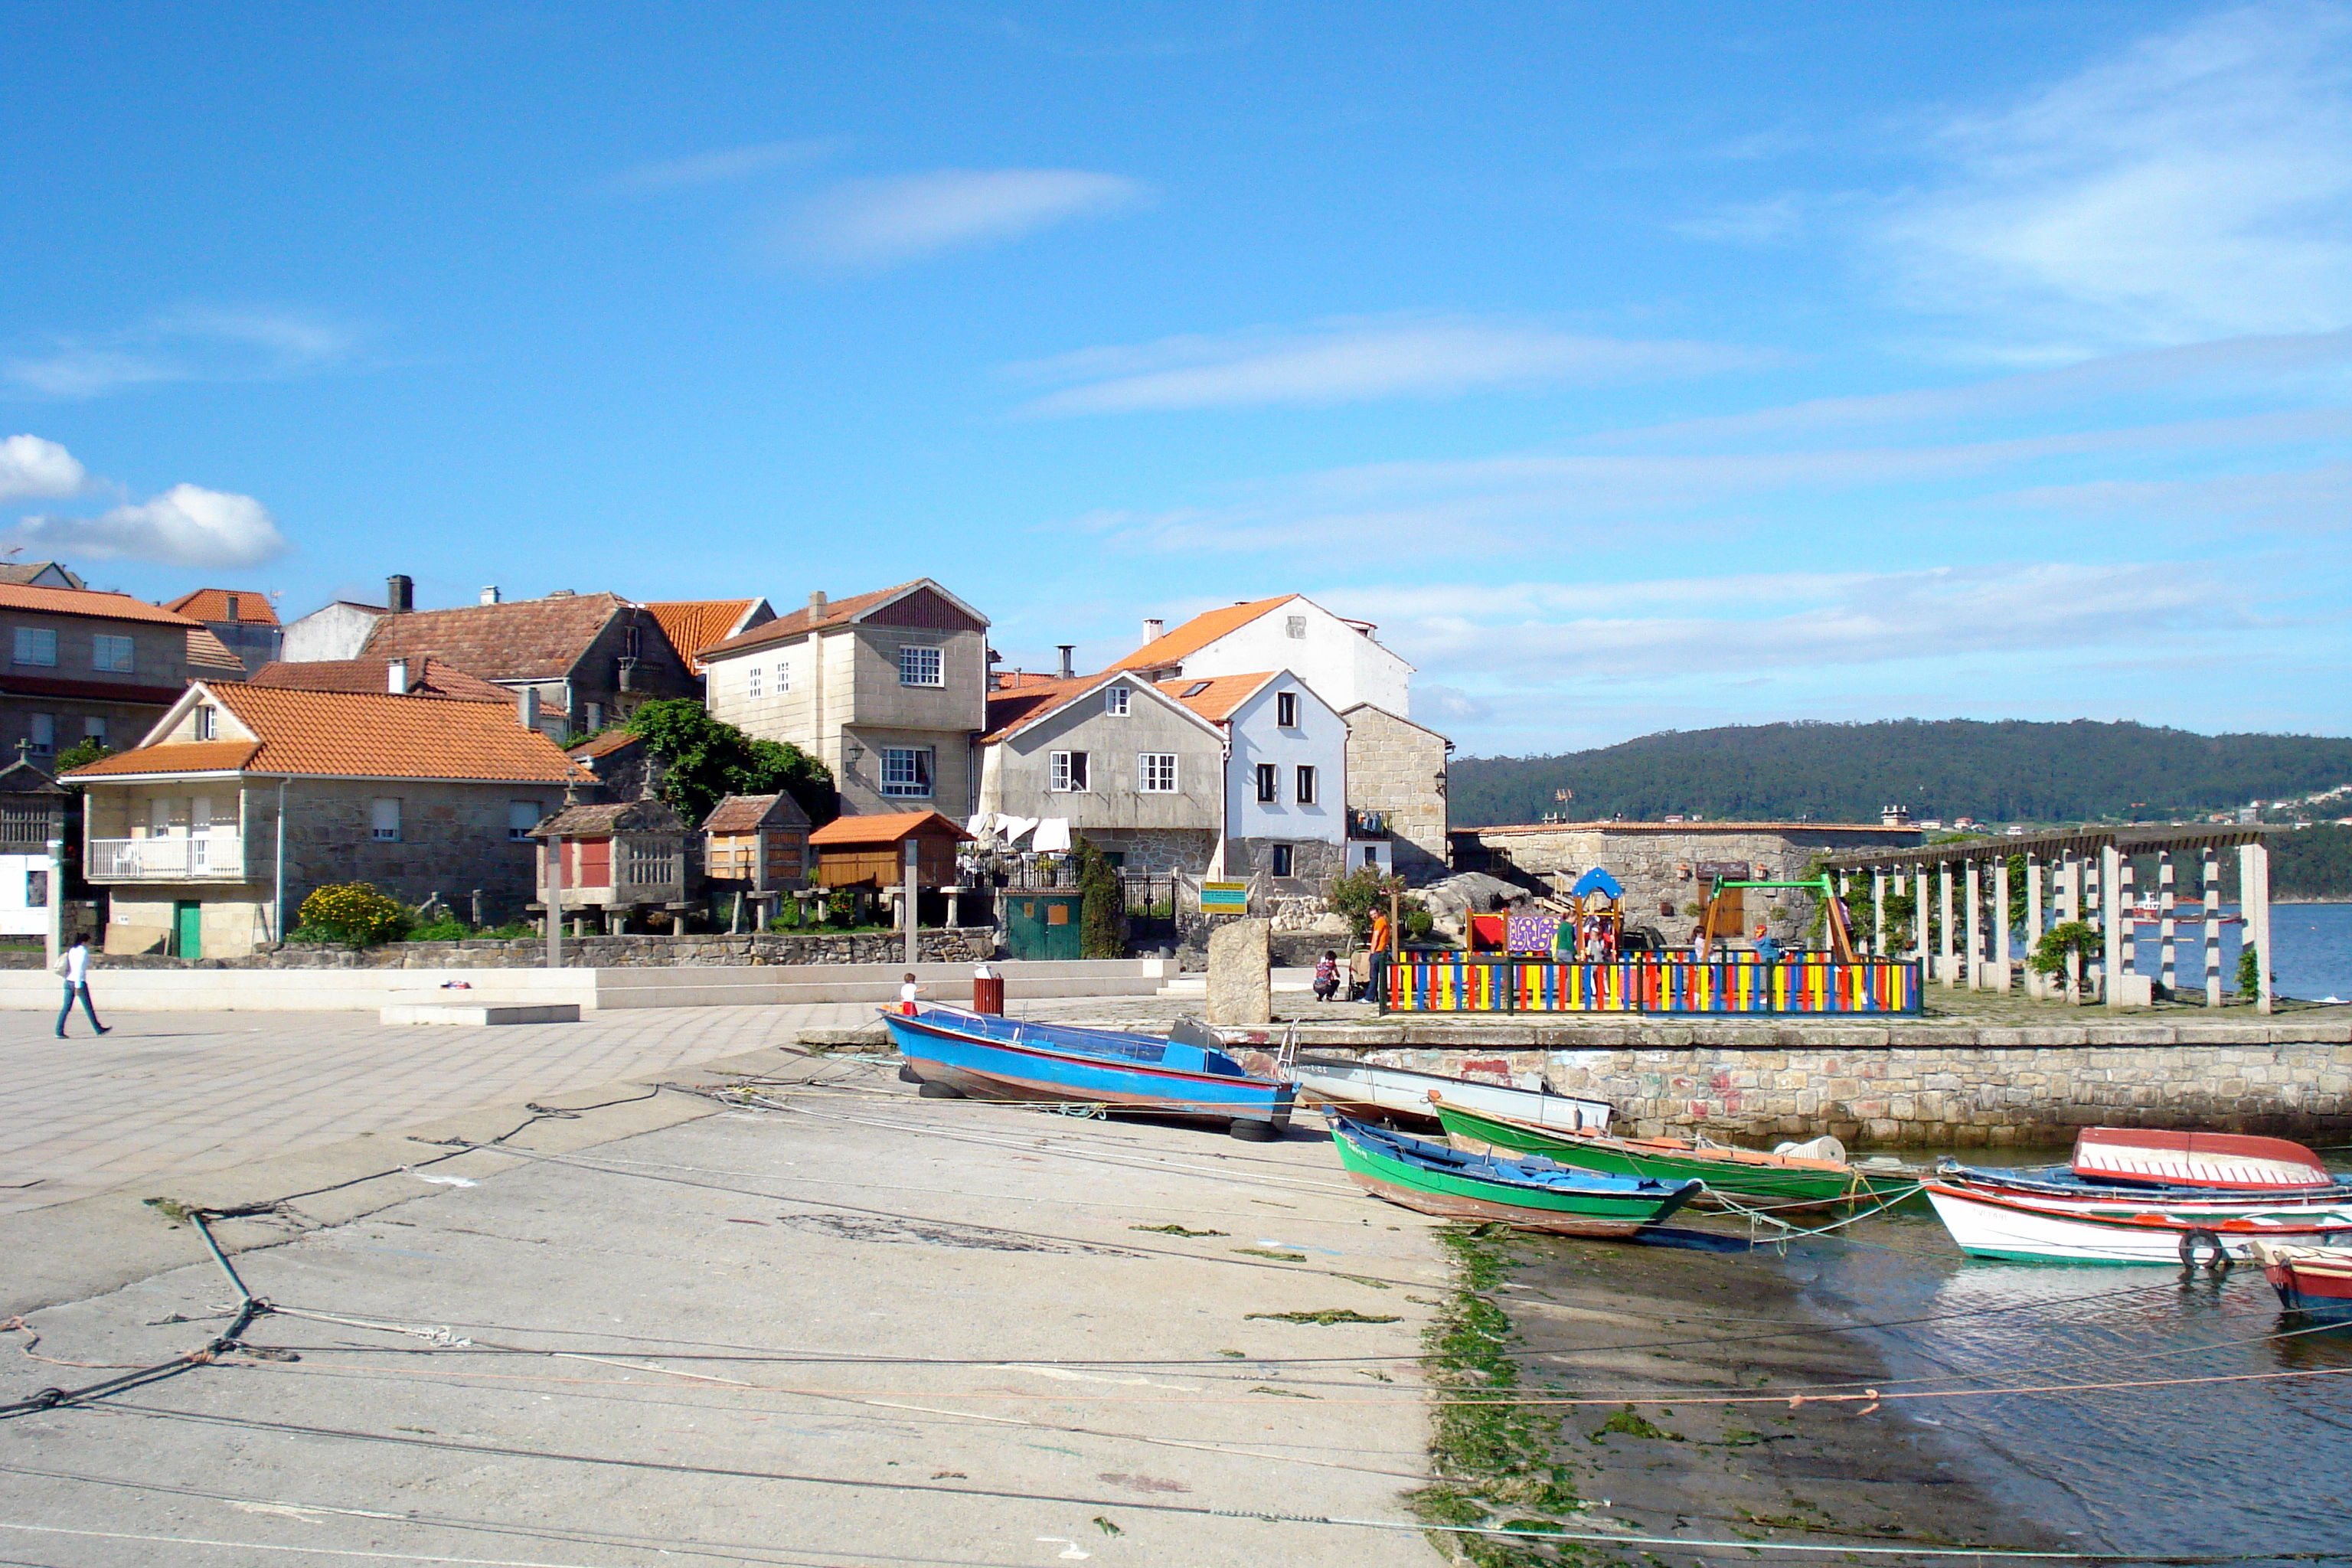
<point x="868" y="1328"/>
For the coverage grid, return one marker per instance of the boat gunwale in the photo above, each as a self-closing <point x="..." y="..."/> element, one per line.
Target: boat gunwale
<point x="921" y="1025"/>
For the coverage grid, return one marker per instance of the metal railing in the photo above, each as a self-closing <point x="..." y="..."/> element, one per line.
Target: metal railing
<point x="205" y="857"/>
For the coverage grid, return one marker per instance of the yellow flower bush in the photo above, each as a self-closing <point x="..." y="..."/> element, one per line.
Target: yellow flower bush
<point x="352" y="912"/>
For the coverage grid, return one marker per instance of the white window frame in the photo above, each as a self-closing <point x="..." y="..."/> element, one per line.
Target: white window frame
<point x="1156" y="772"/>
<point x="908" y="772"/>
<point x="1306" y="786"/>
<point x="783" y="677"/>
<point x="1266" y="779"/>
<point x="1118" y="700"/>
<point x="117" y="655"/>
<point x="1284" y="862"/>
<point x="36" y="646"/>
<point x="207" y="722"/>
<point x="1069" y="773"/>
<point x="753" y="678"/>
<point x="1285" y="710"/>
<point x="927" y="666"/>
<point x="522" y="815"/>
<point x="383" y="826"/>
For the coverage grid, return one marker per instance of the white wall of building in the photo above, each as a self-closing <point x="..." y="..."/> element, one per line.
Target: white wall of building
<point x="1319" y="739"/>
<point x="19" y="916"/>
<point x="333" y="631"/>
<point x="1344" y="665"/>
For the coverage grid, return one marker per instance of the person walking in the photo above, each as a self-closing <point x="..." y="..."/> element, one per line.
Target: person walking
<point x="75" y="967"/>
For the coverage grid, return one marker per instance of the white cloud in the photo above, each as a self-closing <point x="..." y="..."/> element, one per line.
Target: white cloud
<point x="718" y="167"/>
<point x="1764" y="222"/>
<point x="2317" y="500"/>
<point x="1355" y="361"/>
<point x="190" y="344"/>
<point x="184" y="526"/>
<point x="32" y="466"/>
<point x="2198" y="185"/>
<point x="864" y="222"/>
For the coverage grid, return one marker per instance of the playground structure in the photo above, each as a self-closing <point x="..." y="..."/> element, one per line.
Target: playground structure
<point x="1583" y="960"/>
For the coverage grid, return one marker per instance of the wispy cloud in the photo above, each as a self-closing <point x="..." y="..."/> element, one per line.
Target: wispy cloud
<point x="2314" y="500"/>
<point x="1766" y="222"/>
<point x="1357" y="361"/>
<point x="721" y="166"/>
<point x="196" y="344"/>
<point x="2198" y="185"/>
<point x="876" y="223"/>
<point x="185" y="526"/>
<point x="30" y="466"/>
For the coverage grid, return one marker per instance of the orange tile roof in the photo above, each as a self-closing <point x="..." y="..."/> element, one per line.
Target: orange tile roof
<point x="1024" y="705"/>
<point x="605" y="744"/>
<point x="836" y="612"/>
<point x="692" y="624"/>
<point x="1199" y="633"/>
<point x="426" y="677"/>
<point x="1219" y="694"/>
<point x="88" y="602"/>
<point x="351" y="734"/>
<point x="887" y="827"/>
<point x="211" y="604"/>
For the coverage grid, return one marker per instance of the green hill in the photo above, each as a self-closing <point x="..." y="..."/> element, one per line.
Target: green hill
<point x="2009" y="771"/>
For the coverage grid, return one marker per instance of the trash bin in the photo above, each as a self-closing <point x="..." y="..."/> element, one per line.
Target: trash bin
<point x="987" y="990"/>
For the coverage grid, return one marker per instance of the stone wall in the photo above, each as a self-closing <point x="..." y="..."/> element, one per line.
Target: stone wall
<point x="1398" y="768"/>
<point x="1929" y="1096"/>
<point x="953" y="944"/>
<point x="1157" y="850"/>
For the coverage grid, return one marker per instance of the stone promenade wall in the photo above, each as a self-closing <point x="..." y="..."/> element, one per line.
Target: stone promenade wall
<point x="1929" y="1096"/>
<point x="954" y="944"/>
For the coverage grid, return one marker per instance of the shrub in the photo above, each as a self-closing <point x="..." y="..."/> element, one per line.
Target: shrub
<point x="840" y="907"/>
<point x="2079" y="938"/>
<point x="443" y="927"/>
<point x="1102" y="904"/>
<point x="2249" y="973"/>
<point x="353" y="913"/>
<point x="1363" y="893"/>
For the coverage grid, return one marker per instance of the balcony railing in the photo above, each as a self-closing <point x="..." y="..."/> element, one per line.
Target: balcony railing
<point x="200" y="857"/>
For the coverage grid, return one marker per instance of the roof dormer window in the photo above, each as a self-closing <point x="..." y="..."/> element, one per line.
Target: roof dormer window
<point x="207" y="722"/>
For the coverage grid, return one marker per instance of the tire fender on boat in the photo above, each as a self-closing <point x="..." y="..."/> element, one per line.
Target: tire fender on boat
<point x="2192" y="1241"/>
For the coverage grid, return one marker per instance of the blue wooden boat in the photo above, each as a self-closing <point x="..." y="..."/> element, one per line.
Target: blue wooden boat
<point x="952" y="1053"/>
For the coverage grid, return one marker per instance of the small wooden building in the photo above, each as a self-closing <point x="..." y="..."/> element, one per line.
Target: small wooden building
<point x="754" y="843"/>
<point x="856" y="850"/>
<point x="626" y="858"/>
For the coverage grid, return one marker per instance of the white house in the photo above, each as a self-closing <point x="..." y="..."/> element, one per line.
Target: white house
<point x="1286" y="775"/>
<point x="1340" y="659"/>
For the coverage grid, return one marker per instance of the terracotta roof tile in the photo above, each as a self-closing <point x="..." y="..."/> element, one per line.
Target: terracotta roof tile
<point x="695" y="623"/>
<point x="605" y="744"/>
<point x="426" y="677"/>
<point x="885" y="827"/>
<point x="1199" y="633"/>
<point x="748" y="813"/>
<point x="1024" y="705"/>
<point x="836" y="613"/>
<point x="1214" y="697"/>
<point x="210" y="658"/>
<point x="351" y="734"/>
<point x="527" y="639"/>
<point x="211" y="604"/>
<point x="88" y="602"/>
<point x="609" y="816"/>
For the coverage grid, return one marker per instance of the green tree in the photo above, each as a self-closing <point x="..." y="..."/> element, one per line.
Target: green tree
<point x="2249" y="973"/>
<point x="1102" y="903"/>
<point x="81" y="755"/>
<point x="704" y="760"/>
<point x="2080" y="939"/>
<point x="1364" y="892"/>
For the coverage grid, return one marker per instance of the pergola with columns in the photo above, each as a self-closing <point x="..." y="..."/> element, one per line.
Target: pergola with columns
<point x="2079" y="874"/>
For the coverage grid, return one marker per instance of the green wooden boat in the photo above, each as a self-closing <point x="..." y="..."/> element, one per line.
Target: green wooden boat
<point x="1529" y="1193"/>
<point x="1751" y="1177"/>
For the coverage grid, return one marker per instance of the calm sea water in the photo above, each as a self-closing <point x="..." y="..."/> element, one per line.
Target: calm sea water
<point x="2314" y="960"/>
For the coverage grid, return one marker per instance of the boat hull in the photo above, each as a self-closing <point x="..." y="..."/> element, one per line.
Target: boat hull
<point x="1458" y="1195"/>
<point x="1767" y="1179"/>
<point x="1997" y="1225"/>
<point x="1371" y="1092"/>
<point x="2310" y="1283"/>
<point x="989" y="1059"/>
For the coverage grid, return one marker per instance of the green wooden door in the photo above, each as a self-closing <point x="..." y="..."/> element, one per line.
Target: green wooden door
<point x="187" y="929"/>
<point x="1042" y="925"/>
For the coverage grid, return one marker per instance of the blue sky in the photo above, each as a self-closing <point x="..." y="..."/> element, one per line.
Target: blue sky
<point x="1634" y="367"/>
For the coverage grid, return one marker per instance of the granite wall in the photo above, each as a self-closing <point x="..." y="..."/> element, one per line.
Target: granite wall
<point x="953" y="944"/>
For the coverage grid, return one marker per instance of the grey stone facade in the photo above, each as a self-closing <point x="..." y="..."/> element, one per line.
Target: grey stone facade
<point x="1397" y="768"/>
<point x="1158" y="850"/>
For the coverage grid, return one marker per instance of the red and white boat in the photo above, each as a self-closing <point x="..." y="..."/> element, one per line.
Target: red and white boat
<point x="2315" y="1282"/>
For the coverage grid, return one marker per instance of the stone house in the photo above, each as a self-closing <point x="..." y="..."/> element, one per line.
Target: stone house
<point x="1285" y="777"/>
<point x="81" y="666"/>
<point x="1666" y="868"/>
<point x="40" y="574"/>
<point x="1134" y="771"/>
<point x="246" y="623"/>
<point x="1340" y="659"/>
<point x="692" y="624"/>
<point x="333" y="631"/>
<point x="1396" y="794"/>
<point x="418" y="796"/>
<point x="889" y="690"/>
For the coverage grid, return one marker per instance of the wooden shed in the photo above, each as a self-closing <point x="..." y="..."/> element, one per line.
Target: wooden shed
<point x="755" y="843"/>
<point x="852" y="850"/>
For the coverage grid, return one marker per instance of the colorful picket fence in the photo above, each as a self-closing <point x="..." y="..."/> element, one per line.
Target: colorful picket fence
<point x="1739" y="983"/>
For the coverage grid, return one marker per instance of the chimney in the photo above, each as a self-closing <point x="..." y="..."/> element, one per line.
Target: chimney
<point x="395" y="676"/>
<point x="491" y="594"/>
<point x="1153" y="631"/>
<point x="527" y="707"/>
<point x="1067" y="648"/>
<point x="232" y="609"/>
<point x="399" y="593"/>
<point x="816" y="605"/>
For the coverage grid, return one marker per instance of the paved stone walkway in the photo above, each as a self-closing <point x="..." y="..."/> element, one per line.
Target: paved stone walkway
<point x="201" y="1091"/>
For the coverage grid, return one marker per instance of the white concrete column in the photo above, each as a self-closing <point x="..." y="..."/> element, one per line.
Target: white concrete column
<point x="909" y="901"/>
<point x="1921" y="904"/>
<point x="1972" y="969"/>
<point x="1947" y="968"/>
<point x="2001" y="981"/>
<point x="2127" y="905"/>
<point x="1878" y="911"/>
<point x="2034" y="872"/>
<point x="2166" y="928"/>
<point x="2070" y="899"/>
<point x="2210" y="871"/>
<point x="2110" y="928"/>
<point x="2254" y="908"/>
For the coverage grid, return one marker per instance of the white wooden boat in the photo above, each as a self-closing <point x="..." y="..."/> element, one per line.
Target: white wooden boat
<point x="1370" y="1092"/>
<point x="1991" y="1222"/>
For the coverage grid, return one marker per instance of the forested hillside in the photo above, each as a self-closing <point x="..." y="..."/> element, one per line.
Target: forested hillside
<point x="2010" y="771"/>
<point x="2312" y="863"/>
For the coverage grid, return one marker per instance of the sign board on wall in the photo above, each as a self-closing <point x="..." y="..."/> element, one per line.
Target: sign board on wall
<point x="1225" y="898"/>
